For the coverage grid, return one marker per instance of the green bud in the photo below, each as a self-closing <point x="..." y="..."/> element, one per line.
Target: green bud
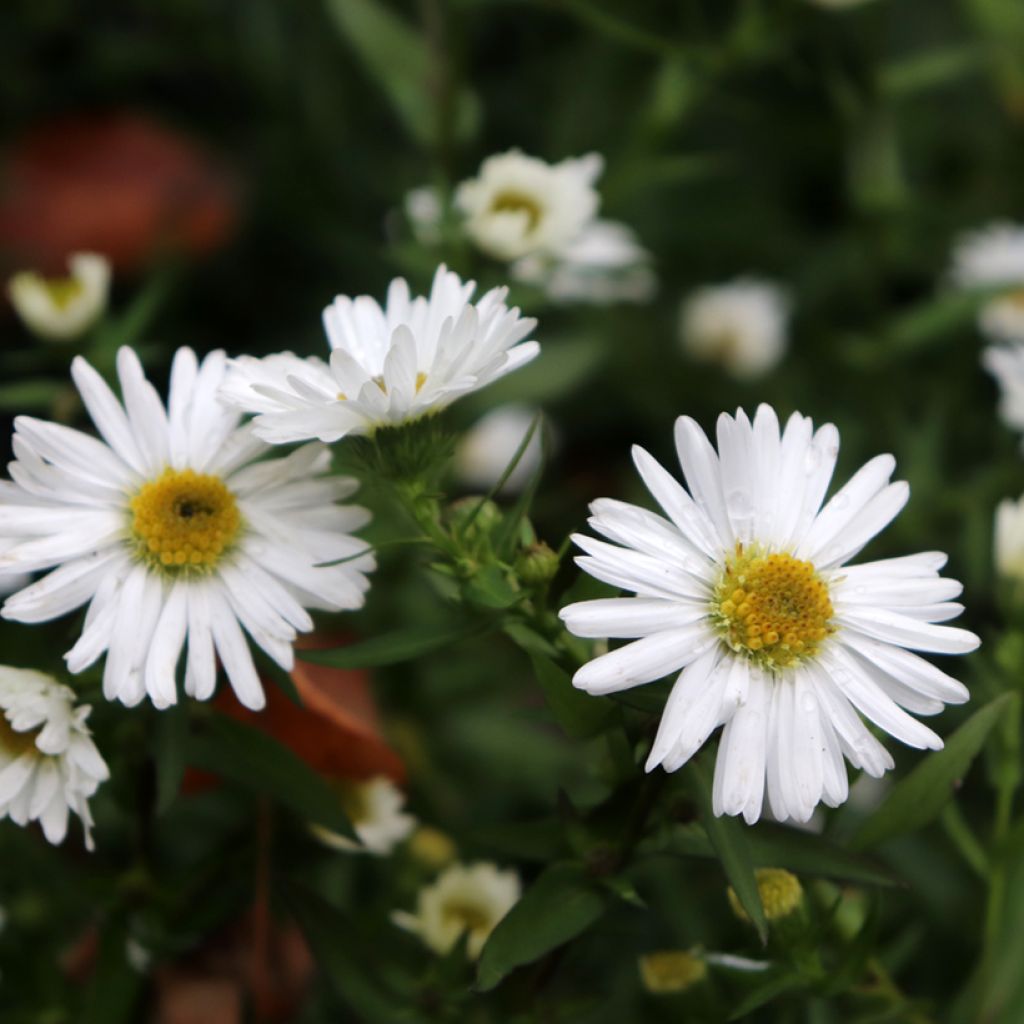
<point x="474" y="515"/>
<point x="537" y="565"/>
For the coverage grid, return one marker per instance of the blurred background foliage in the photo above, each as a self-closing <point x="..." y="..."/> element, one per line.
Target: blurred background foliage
<point x="246" y="161"/>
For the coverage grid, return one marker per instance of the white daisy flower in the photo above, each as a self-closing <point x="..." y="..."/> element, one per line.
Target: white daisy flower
<point x="387" y="366"/>
<point x="519" y="205"/>
<point x="62" y="308"/>
<point x="744" y="586"/>
<point x="49" y="765"/>
<point x="1006" y="364"/>
<point x="1009" y="539"/>
<point x="374" y="807"/>
<point x="605" y="263"/>
<point x="741" y="325"/>
<point x="486" y="449"/>
<point x="170" y="529"/>
<point x="464" y="898"/>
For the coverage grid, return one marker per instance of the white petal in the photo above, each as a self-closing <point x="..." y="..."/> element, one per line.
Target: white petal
<point x="622" y="617"/>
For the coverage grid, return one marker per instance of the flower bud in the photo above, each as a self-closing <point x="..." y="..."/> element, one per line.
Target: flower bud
<point x="671" y="971"/>
<point x="537" y="565"/>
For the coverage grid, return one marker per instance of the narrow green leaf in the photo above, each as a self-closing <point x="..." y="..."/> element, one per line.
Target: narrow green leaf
<point x="335" y="944"/>
<point x="776" y="846"/>
<point x="578" y="713"/>
<point x="489" y="588"/>
<point x="392" y="648"/>
<point x="527" y="639"/>
<point x="729" y="838"/>
<point x="766" y="991"/>
<point x="30" y="395"/>
<point x="171" y="753"/>
<point x="917" y="799"/>
<point x="560" y="905"/>
<point x="257" y="761"/>
<point x="115" y="987"/>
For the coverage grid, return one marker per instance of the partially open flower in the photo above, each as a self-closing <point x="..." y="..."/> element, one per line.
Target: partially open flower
<point x="374" y="807"/>
<point x="49" y="765"/>
<point x="62" y="308"/>
<point x="469" y="899"/>
<point x="670" y="971"/>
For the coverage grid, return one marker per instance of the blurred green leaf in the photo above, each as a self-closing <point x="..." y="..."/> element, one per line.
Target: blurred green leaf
<point x="343" y="958"/>
<point x="917" y="799"/>
<point x="398" y="58"/>
<point x="257" y="761"/>
<point x="489" y="587"/>
<point x="729" y="838"/>
<point x="561" y="904"/>
<point x="392" y="648"/>
<point x="766" y="990"/>
<point x="578" y="713"/>
<point x="115" y="986"/>
<point x="778" y="846"/>
<point x="30" y="395"/>
<point x="171" y="753"/>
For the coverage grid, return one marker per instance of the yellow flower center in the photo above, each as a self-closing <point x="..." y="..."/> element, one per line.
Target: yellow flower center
<point x="780" y="890"/>
<point x="184" y="521"/>
<point x="421" y="379"/>
<point x="470" y="916"/>
<point x="670" y="971"/>
<point x="518" y="202"/>
<point x="775" y="609"/>
<point x="62" y="290"/>
<point x="14" y="743"/>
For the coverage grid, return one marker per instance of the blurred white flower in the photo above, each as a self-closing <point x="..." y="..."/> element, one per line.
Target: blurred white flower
<point x="464" y="898"/>
<point x="374" y="806"/>
<point x="49" y="765"/>
<point x="1009" y="539"/>
<point x="989" y="257"/>
<point x="175" y="528"/>
<point x="1002" y="319"/>
<point x="387" y="366"/>
<point x="62" y="308"/>
<point x="485" y="451"/>
<point x="744" y="585"/>
<point x="741" y="325"/>
<point x="519" y="205"/>
<point x="1006" y="364"/>
<point x="604" y="264"/>
<point x="424" y="212"/>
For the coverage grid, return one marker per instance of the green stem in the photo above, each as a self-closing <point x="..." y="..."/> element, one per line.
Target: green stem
<point x="963" y="838"/>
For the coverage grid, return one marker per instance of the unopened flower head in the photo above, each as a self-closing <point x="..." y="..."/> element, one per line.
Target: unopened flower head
<point x="741" y="325"/>
<point x="388" y="365"/>
<point x="780" y="891"/>
<point x="49" y="765"/>
<point x="519" y="205"/>
<point x="670" y="971"/>
<point x="62" y="308"/>
<point x="174" y="527"/>
<point x="375" y="809"/>
<point x="743" y="585"/>
<point x="468" y="899"/>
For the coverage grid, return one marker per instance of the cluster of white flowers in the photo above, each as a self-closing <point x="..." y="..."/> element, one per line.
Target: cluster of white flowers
<point x="541" y="219"/>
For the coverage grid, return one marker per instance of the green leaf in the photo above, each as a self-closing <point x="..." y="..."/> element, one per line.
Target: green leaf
<point x="30" y="395"/>
<point x="560" y="905"/>
<point x="578" y="713"/>
<point x="766" y="991"/>
<point x="917" y="799"/>
<point x="171" y="753"/>
<point x="257" y="761"/>
<point x="396" y="56"/>
<point x="342" y="957"/>
<point x="392" y="648"/>
<point x="775" y="846"/>
<point x="115" y="986"/>
<point x="729" y="838"/>
<point x="489" y="588"/>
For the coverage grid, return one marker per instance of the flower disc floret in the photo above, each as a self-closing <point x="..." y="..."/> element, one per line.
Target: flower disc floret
<point x="773" y="608"/>
<point x="184" y="520"/>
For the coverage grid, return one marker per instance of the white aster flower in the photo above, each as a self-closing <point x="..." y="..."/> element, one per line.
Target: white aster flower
<point x="424" y="211"/>
<point x="745" y="587"/>
<point x="605" y="263"/>
<point x="741" y="325"/>
<point x="170" y="529"/>
<point x="1006" y="364"/>
<point x="62" y="308"/>
<point x="387" y="366"/>
<point x="464" y="898"/>
<point x="519" y="205"/>
<point x="49" y="765"/>
<point x="1009" y="539"/>
<point x="374" y="807"/>
<point x="485" y="451"/>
